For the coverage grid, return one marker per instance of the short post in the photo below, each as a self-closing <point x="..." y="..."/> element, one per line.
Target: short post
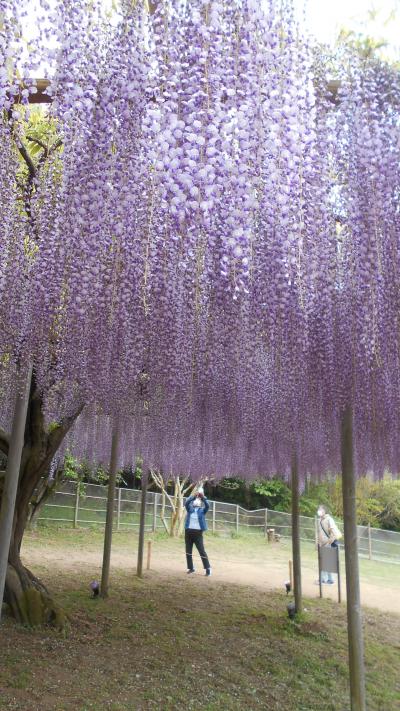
<point x="265" y="523"/>
<point x="155" y="504"/>
<point x="119" y="508"/>
<point x="76" y="510"/>
<point x="237" y="519"/>
<point x="142" y="522"/>
<point x="271" y="535"/>
<point x="148" y="554"/>
<point x="369" y="542"/>
<point x="291" y="574"/>
<point x="213" y="517"/>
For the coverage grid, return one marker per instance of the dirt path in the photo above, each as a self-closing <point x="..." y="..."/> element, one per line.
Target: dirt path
<point x="256" y="573"/>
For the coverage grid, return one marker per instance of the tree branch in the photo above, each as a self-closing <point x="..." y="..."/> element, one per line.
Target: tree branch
<point x="28" y="160"/>
<point x="38" y="142"/>
<point x="57" y="435"/>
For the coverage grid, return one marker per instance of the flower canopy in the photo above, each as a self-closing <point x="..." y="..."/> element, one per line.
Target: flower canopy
<point x="212" y="254"/>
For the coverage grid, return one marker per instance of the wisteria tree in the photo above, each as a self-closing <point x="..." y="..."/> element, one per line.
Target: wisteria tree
<point x="207" y="251"/>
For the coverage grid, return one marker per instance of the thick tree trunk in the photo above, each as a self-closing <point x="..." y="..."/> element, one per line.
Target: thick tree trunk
<point x="27" y="598"/>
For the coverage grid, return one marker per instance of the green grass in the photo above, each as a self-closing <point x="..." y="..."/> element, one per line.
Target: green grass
<point x="167" y="642"/>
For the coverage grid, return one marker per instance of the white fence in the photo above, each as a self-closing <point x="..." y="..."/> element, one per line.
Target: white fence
<point x="85" y="505"/>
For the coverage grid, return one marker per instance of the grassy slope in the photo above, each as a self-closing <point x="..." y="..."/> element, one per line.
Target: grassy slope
<point x="169" y="642"/>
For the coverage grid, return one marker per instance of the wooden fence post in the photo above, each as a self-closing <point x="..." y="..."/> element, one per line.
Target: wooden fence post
<point x="148" y="554"/>
<point x="369" y="542"/>
<point x="237" y="519"/>
<point x="155" y="503"/>
<point x="213" y="517"/>
<point x="76" y="509"/>
<point x="119" y="508"/>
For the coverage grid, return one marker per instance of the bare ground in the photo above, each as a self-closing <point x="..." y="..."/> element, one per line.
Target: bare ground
<point x="264" y="567"/>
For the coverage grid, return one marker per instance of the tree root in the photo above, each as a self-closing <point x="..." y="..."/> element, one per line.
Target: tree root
<point x="29" y="601"/>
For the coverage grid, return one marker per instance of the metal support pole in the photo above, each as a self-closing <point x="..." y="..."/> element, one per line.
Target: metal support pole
<point x="142" y="521"/>
<point x="237" y="519"/>
<point x="338" y="575"/>
<point x="105" y="573"/>
<point x="354" y="621"/>
<point x="291" y="574"/>
<point x="266" y="523"/>
<point x="316" y="532"/>
<point x="12" y="473"/>
<point x="296" y="535"/>
<point x="119" y="508"/>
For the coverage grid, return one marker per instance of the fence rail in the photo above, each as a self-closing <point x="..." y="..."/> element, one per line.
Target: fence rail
<point x="85" y="505"/>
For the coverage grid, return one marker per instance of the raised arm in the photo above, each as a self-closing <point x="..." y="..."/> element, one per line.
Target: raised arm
<point x="188" y="502"/>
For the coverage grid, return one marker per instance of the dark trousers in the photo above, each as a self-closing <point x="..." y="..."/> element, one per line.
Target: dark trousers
<point x="196" y="537"/>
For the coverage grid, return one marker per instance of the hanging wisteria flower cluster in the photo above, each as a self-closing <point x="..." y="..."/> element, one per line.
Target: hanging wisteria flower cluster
<point x="210" y="250"/>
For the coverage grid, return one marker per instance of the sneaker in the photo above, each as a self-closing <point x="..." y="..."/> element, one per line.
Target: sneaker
<point x="190" y="571"/>
<point x="208" y="572"/>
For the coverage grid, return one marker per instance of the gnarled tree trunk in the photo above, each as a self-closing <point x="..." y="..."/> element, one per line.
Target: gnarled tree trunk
<point x="26" y="596"/>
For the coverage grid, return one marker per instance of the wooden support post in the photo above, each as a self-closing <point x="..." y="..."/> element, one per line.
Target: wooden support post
<point x="369" y="542"/>
<point x="316" y="532"/>
<point x="319" y="571"/>
<point x="237" y="519"/>
<point x="119" y="509"/>
<point x="354" y="621"/>
<point x="155" y="504"/>
<point x="291" y="574"/>
<point x="213" y="517"/>
<point x="142" y="521"/>
<point x="105" y="573"/>
<point x="76" y="507"/>
<point x="148" y="555"/>
<point x="266" y="523"/>
<point x="296" y="535"/>
<point x="12" y="472"/>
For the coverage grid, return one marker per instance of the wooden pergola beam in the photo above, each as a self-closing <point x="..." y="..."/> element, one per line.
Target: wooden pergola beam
<point x="41" y="97"/>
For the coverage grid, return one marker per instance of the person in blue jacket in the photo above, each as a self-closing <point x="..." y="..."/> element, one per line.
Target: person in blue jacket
<point x="196" y="507"/>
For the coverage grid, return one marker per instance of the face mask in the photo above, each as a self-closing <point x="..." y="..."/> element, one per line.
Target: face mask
<point x="197" y="502"/>
<point x="320" y="512"/>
